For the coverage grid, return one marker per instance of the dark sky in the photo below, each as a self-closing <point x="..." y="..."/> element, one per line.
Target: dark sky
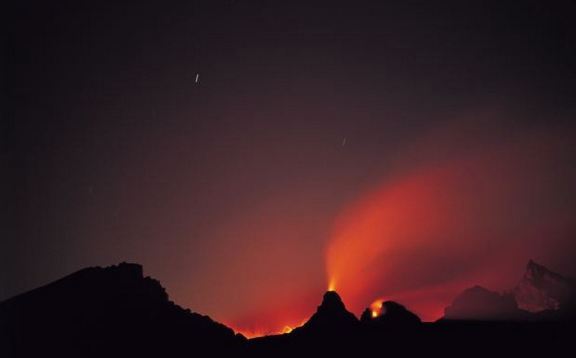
<point x="306" y="118"/>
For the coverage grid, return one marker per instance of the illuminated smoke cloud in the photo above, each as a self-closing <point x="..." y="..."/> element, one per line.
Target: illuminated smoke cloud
<point x="476" y="216"/>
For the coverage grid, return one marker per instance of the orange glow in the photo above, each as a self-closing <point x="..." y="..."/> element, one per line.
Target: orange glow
<point x="376" y="308"/>
<point x="254" y="333"/>
<point x="332" y="284"/>
<point x="281" y="317"/>
<point x="386" y="223"/>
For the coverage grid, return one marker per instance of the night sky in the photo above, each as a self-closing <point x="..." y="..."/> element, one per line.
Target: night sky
<point x="248" y="153"/>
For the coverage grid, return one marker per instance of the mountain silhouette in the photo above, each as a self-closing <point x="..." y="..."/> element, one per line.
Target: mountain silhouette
<point x="541" y="294"/>
<point x="330" y="317"/>
<point x="117" y="312"/>
<point x="541" y="289"/>
<point x="479" y="303"/>
<point x="102" y="312"/>
<point x="393" y="316"/>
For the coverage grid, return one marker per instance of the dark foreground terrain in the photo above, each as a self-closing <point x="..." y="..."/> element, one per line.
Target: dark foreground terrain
<point x="117" y="312"/>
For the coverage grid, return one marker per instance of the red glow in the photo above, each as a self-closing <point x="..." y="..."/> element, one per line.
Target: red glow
<point x="389" y="224"/>
<point x="425" y="235"/>
<point x="277" y="318"/>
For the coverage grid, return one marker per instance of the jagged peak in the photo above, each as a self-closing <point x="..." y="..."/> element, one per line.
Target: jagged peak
<point x="533" y="268"/>
<point x="541" y="289"/>
<point x="330" y="316"/>
<point x="332" y="300"/>
<point x="536" y="271"/>
<point x="129" y="268"/>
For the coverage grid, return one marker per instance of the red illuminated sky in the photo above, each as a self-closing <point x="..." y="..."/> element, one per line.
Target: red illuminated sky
<point x="245" y="152"/>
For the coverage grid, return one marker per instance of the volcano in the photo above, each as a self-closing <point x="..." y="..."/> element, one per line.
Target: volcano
<point x="330" y="317"/>
<point x="393" y="316"/>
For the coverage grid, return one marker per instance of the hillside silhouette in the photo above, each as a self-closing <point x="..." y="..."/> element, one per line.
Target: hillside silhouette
<point x="117" y="312"/>
<point x="103" y="312"/>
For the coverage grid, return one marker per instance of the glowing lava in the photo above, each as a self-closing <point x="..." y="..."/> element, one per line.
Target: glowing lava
<point x="376" y="308"/>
